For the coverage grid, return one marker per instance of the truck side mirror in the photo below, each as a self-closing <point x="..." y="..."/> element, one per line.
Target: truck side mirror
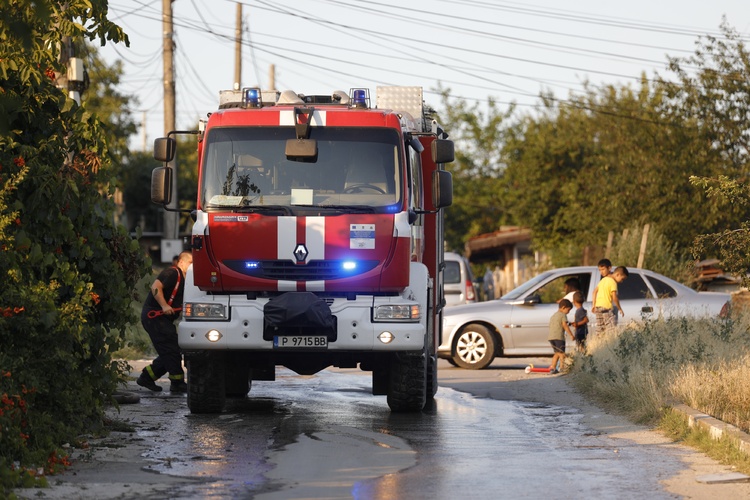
<point x="161" y="185"/>
<point x="442" y="151"/>
<point x="442" y="187"/>
<point x="164" y="149"/>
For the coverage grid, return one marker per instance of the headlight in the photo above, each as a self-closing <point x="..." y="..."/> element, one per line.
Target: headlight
<point x="397" y="312"/>
<point x="199" y="310"/>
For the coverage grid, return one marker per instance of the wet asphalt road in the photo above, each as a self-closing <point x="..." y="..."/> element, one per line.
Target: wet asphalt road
<point x="326" y="436"/>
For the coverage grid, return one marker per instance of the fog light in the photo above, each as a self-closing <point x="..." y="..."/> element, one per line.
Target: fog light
<point x="213" y="335"/>
<point x="386" y="337"/>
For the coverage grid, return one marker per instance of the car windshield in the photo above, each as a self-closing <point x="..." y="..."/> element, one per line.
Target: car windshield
<point x="452" y="273"/>
<point x="247" y="168"/>
<point x="521" y="290"/>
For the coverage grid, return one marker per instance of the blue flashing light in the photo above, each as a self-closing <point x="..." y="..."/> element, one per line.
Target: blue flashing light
<point x="359" y="97"/>
<point x="252" y="265"/>
<point x="349" y="265"/>
<point x="393" y="209"/>
<point x="252" y="96"/>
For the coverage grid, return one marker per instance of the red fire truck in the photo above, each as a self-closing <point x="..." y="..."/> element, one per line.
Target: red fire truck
<point x="317" y="242"/>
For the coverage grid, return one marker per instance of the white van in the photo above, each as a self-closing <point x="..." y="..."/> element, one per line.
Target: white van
<point x="458" y="282"/>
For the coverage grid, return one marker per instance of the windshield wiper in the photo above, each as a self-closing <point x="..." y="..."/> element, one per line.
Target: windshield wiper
<point x="265" y="208"/>
<point x="364" y="209"/>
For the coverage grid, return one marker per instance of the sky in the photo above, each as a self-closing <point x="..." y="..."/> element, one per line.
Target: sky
<point x="508" y="51"/>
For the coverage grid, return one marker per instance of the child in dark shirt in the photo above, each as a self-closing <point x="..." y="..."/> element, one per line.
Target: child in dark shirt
<point x="581" y="322"/>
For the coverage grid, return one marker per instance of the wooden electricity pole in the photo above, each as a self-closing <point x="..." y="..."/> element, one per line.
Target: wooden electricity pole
<point x="238" y="49"/>
<point x="171" y="219"/>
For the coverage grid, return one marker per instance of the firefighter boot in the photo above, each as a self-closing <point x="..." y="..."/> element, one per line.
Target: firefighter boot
<point x="177" y="384"/>
<point x="146" y="381"/>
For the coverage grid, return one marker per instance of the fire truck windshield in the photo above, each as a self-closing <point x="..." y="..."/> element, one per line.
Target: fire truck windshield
<point x="354" y="167"/>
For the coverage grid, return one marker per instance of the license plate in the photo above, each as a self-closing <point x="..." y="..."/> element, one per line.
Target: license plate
<point x="300" y="342"/>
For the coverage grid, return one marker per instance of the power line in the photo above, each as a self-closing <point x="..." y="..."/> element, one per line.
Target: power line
<point x="414" y="48"/>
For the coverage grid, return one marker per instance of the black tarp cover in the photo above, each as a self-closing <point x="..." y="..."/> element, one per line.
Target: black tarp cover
<point x="298" y="310"/>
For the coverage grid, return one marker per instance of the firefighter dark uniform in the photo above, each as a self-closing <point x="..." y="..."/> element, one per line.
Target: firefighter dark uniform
<point x="157" y="317"/>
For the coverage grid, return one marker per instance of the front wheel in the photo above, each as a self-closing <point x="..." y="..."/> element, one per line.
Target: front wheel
<point x="206" y="384"/>
<point x="407" y="387"/>
<point x="474" y="348"/>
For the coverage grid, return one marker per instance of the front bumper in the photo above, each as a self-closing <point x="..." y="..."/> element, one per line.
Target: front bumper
<point x="355" y="329"/>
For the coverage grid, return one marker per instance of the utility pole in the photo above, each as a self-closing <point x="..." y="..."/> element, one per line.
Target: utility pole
<point x="272" y="77"/>
<point x="144" y="133"/>
<point x="238" y="49"/>
<point x="171" y="219"/>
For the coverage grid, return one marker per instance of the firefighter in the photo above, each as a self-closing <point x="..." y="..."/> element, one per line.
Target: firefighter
<point x="159" y="312"/>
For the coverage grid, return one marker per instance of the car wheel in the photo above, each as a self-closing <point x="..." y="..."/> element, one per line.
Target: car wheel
<point x="475" y="347"/>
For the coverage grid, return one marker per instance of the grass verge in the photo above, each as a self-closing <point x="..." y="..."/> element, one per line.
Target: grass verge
<point x="723" y="450"/>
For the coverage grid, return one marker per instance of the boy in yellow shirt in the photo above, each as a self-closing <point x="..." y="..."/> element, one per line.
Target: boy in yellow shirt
<point x="606" y="297"/>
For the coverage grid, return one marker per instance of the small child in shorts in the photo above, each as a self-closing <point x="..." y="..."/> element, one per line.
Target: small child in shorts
<point x="558" y="325"/>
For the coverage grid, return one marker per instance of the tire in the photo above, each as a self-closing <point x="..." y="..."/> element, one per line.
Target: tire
<point x="206" y="385"/>
<point x="451" y="361"/>
<point x="474" y="347"/>
<point x="407" y="387"/>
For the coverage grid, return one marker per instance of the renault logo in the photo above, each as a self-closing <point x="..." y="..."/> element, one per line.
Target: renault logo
<point x="300" y="253"/>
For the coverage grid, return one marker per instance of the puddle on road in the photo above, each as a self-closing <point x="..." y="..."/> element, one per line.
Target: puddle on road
<point x="327" y="429"/>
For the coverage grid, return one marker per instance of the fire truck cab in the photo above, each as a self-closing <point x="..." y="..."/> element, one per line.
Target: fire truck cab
<point x="317" y="242"/>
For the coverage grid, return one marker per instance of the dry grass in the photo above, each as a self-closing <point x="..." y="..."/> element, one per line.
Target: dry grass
<point x="721" y="390"/>
<point x="641" y="369"/>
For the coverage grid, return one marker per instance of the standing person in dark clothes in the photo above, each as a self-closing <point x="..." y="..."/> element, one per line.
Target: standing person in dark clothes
<point x="581" y="323"/>
<point x="157" y="316"/>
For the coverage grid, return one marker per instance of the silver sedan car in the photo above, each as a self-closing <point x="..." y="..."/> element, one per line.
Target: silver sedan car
<point x="517" y="324"/>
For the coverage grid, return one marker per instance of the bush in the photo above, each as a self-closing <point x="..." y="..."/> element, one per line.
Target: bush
<point x="136" y="342"/>
<point x="645" y="367"/>
<point x="661" y="255"/>
<point x="67" y="270"/>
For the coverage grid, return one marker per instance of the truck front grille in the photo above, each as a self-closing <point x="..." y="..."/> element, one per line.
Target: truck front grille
<point x="287" y="270"/>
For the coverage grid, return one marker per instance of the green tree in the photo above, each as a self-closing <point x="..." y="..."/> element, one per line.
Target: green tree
<point x="187" y="177"/>
<point x="662" y="255"/>
<point x="603" y="161"/>
<point x="67" y="269"/>
<point x="111" y="107"/>
<point x="478" y="201"/>
<point x="715" y="98"/>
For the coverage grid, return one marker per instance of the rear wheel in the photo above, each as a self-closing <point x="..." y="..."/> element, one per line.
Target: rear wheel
<point x="237" y="380"/>
<point x="474" y="347"/>
<point x="407" y="387"/>
<point x="206" y="384"/>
